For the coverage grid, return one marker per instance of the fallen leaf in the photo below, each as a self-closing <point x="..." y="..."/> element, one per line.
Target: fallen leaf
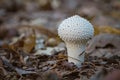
<point x="115" y="14"/>
<point x="29" y="42"/>
<point x="104" y="45"/>
<point x="106" y="29"/>
<point x="100" y="74"/>
<point x="1" y="63"/>
<point x="114" y="75"/>
<point x="22" y="72"/>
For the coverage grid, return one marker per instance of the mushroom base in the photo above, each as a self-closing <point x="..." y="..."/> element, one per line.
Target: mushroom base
<point x="76" y="54"/>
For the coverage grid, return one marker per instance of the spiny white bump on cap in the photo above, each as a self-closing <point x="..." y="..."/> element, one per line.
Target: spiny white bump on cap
<point x="75" y="28"/>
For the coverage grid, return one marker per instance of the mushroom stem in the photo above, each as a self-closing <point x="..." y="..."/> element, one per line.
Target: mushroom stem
<point x="76" y="53"/>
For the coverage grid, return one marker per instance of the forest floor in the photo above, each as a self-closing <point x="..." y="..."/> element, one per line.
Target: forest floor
<point x="30" y="48"/>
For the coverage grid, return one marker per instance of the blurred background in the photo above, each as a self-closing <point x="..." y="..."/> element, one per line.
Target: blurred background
<point x="16" y="16"/>
<point x="49" y="13"/>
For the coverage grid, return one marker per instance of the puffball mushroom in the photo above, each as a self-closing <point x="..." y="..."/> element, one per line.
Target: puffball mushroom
<point x="75" y="32"/>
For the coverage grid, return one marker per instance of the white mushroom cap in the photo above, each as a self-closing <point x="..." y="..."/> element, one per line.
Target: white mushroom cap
<point x="75" y="29"/>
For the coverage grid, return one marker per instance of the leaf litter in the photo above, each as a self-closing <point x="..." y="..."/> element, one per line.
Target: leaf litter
<point x="30" y="51"/>
<point x="19" y="59"/>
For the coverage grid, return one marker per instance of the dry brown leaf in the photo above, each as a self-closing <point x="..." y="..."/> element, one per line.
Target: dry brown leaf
<point x="1" y="63"/>
<point x="26" y="42"/>
<point x="115" y="14"/>
<point x="114" y="75"/>
<point x="100" y="74"/>
<point x="106" y="29"/>
<point x="29" y="42"/>
<point x="104" y="45"/>
<point x="62" y="56"/>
